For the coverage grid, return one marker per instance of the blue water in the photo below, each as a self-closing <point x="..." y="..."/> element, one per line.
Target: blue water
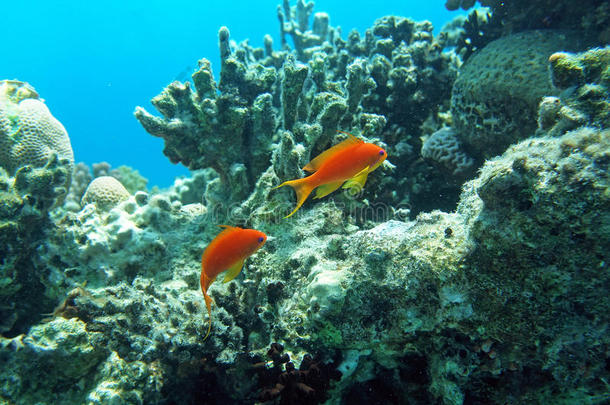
<point x="93" y="62"/>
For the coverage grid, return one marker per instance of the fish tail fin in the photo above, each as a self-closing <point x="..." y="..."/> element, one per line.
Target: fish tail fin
<point x="208" y="302"/>
<point x="302" y="187"/>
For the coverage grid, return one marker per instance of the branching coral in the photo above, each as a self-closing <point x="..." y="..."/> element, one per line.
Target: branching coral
<point x="396" y="74"/>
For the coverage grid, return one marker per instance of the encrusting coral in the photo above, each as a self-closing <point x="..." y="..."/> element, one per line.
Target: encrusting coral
<point x="26" y="200"/>
<point x="541" y="194"/>
<point x="584" y="79"/>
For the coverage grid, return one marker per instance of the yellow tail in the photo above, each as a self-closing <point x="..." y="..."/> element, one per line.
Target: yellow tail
<point x="302" y="187"/>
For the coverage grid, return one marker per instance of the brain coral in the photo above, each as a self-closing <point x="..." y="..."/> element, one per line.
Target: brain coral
<point x="444" y="148"/>
<point x="105" y="192"/>
<point x="495" y="98"/>
<point x="29" y="134"/>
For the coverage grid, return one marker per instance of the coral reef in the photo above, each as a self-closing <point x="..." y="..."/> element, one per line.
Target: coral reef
<point x="29" y="134"/>
<point x="25" y="201"/>
<point x="539" y="217"/>
<point x="444" y="148"/>
<point x="382" y="86"/>
<point x="585" y="81"/>
<point x="105" y="192"/>
<point x="36" y="164"/>
<point x="591" y="17"/>
<point x="303" y="386"/>
<point x="442" y="307"/>
<point x="494" y="101"/>
<point x="500" y="299"/>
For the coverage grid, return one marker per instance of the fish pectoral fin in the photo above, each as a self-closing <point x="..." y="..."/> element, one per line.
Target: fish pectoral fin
<point x="358" y="180"/>
<point x="233" y="271"/>
<point x="324" y="156"/>
<point x="328" y="188"/>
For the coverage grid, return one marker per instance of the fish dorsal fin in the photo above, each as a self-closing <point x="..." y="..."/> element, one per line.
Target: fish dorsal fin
<point x="233" y="271"/>
<point x="227" y="227"/>
<point x="322" y="157"/>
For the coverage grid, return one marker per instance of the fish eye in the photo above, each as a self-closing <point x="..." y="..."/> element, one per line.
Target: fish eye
<point x="261" y="239"/>
<point x="381" y="152"/>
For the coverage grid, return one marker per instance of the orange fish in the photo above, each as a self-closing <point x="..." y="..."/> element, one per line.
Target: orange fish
<point x="227" y="252"/>
<point x="348" y="163"/>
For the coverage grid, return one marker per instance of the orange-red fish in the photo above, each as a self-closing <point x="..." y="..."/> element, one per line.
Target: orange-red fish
<point x="227" y="252"/>
<point x="347" y="163"/>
